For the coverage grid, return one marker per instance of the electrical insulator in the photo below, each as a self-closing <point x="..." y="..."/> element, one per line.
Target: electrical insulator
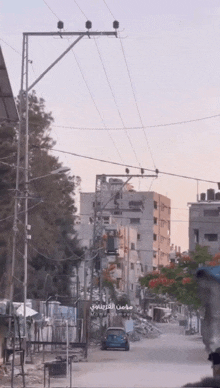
<point x="88" y="24"/>
<point x="116" y="24"/>
<point x="142" y="171"/>
<point x="60" y="25"/>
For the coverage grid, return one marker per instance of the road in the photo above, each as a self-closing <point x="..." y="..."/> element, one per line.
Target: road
<point x="170" y="360"/>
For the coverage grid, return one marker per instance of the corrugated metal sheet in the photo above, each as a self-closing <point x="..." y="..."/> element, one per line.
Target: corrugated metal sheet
<point x="8" y="110"/>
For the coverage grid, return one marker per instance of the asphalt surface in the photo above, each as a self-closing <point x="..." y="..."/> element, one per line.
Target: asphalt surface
<point x="170" y="360"/>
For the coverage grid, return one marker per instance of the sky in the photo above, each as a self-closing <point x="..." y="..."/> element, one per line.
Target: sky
<point x="144" y="99"/>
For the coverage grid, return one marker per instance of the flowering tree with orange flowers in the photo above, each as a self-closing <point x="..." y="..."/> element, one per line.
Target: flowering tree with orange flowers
<point x="178" y="280"/>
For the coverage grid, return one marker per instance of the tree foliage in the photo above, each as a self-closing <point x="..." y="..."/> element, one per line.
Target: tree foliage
<point x="7" y="192"/>
<point x="178" y="280"/>
<point x="53" y="249"/>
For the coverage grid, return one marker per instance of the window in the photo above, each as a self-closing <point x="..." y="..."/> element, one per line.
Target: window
<point x="106" y="220"/>
<point x="138" y="237"/>
<point x="211" y="213"/>
<point x="155" y="220"/>
<point x="211" y="237"/>
<point x="196" y="236"/>
<point x="132" y="265"/>
<point x="155" y="204"/>
<point x="135" y="204"/>
<point x="155" y="237"/>
<point x="134" y="220"/>
<point x="162" y="206"/>
<point x="132" y="286"/>
<point x="117" y="213"/>
<point x="154" y="253"/>
<point x="97" y="204"/>
<point x="133" y="246"/>
<point x="119" y="265"/>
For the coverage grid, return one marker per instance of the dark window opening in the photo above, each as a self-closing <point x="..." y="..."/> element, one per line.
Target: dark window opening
<point x="155" y="220"/>
<point x="155" y="237"/>
<point x="134" y="220"/>
<point x="138" y="236"/>
<point x="135" y="203"/>
<point x="132" y="246"/>
<point x="132" y="265"/>
<point x="155" y="204"/>
<point x="211" y="213"/>
<point x="196" y="236"/>
<point x="211" y="237"/>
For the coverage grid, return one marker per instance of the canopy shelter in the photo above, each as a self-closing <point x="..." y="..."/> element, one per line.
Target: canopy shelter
<point x="8" y="110"/>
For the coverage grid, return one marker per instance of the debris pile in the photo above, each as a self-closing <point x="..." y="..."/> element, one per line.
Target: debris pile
<point x="143" y="329"/>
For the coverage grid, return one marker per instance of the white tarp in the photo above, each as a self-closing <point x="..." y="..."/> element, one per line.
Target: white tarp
<point x="29" y="312"/>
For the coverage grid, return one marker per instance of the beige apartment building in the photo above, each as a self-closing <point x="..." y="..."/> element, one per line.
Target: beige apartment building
<point x="146" y="212"/>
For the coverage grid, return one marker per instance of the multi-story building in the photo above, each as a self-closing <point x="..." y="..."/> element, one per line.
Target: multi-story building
<point x="204" y="222"/>
<point x="147" y="212"/>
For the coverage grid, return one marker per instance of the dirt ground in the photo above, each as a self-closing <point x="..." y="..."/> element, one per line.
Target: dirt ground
<point x="34" y="371"/>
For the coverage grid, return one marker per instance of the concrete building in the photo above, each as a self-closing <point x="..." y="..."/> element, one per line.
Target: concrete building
<point x="146" y="212"/>
<point x="204" y="222"/>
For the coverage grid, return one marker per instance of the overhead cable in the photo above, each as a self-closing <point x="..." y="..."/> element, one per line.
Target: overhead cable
<point x="95" y="105"/>
<point x="145" y="126"/>
<point x="51" y="10"/>
<point x="114" y="98"/>
<point x="131" y="166"/>
<point x="135" y="99"/>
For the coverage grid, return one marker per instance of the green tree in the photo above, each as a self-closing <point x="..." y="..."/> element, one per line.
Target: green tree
<point x="53" y="249"/>
<point x="178" y="280"/>
<point x="7" y="186"/>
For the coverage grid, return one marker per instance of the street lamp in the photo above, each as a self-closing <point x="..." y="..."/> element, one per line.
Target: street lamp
<point x="60" y="170"/>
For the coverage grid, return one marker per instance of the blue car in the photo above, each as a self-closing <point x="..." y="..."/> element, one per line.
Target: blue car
<point x="115" y="338"/>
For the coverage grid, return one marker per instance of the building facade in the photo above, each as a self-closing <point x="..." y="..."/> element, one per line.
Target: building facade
<point x="148" y="213"/>
<point x="204" y="222"/>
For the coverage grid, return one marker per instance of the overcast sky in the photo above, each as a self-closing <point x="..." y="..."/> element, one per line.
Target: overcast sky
<point x="163" y="69"/>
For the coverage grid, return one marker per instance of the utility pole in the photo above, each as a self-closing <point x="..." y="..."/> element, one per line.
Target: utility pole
<point x="25" y="89"/>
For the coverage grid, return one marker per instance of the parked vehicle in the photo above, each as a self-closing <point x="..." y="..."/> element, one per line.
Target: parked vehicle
<point x="115" y="337"/>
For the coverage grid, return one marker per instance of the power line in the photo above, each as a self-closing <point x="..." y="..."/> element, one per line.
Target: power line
<point x="80" y="9"/>
<point x="21" y="212"/>
<point x="51" y="10"/>
<point x="10" y="46"/>
<point x="131" y="166"/>
<point x="135" y="99"/>
<point x="96" y="107"/>
<point x="108" y="9"/>
<point x="113" y="95"/>
<point x="135" y="128"/>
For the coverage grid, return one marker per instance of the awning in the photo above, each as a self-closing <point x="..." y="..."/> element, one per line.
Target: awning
<point x="8" y="110"/>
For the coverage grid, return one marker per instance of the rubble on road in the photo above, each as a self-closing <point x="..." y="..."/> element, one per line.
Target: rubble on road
<point x="144" y="329"/>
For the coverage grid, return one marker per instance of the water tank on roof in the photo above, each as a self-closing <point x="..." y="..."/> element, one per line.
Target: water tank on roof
<point x="210" y="194"/>
<point x="217" y="196"/>
<point x="202" y="197"/>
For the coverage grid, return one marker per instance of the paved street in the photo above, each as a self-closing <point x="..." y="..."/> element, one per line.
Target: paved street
<point x="171" y="360"/>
